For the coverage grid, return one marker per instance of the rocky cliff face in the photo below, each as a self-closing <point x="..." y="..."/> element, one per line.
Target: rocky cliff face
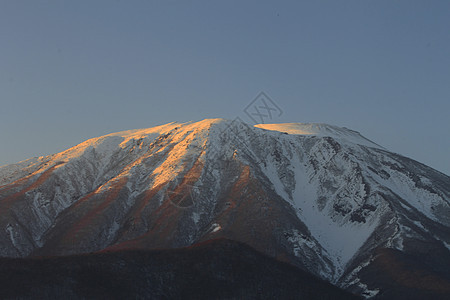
<point x="321" y="197"/>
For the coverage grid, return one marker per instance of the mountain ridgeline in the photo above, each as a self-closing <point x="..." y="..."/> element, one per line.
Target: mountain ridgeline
<point x="321" y="198"/>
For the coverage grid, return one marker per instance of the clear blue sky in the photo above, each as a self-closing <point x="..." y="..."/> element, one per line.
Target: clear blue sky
<point x="72" y="70"/>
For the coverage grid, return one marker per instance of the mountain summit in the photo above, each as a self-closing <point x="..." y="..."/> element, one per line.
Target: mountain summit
<point x="320" y="197"/>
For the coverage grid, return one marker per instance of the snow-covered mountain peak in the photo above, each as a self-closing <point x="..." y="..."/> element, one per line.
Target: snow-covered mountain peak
<point x="321" y="129"/>
<point x="308" y="193"/>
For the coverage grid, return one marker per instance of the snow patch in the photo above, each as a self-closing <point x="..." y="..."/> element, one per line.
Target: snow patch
<point x="195" y="217"/>
<point x="12" y="236"/>
<point x="215" y="227"/>
<point x="366" y="292"/>
<point x="446" y="245"/>
<point x="420" y="199"/>
<point x="341" y="241"/>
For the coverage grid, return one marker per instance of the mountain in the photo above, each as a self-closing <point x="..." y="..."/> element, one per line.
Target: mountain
<point x="322" y="198"/>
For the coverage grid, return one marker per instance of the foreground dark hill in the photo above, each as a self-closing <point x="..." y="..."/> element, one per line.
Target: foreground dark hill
<point x="218" y="269"/>
<point x="408" y="276"/>
<point x="323" y="198"/>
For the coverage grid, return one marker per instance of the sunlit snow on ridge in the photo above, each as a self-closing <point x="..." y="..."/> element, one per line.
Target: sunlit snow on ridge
<point x="321" y="129"/>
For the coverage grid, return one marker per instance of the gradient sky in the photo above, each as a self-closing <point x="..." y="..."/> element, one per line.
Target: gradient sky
<point x="72" y="70"/>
